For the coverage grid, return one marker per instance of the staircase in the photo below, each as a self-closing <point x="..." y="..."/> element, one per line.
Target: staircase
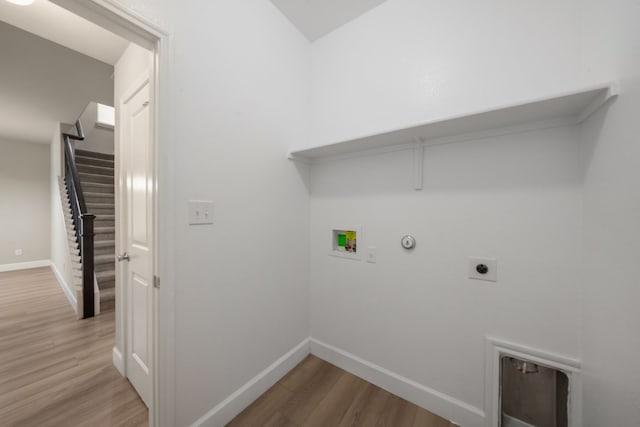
<point x="96" y="172"/>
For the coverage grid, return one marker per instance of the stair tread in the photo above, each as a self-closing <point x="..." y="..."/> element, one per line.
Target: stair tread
<point x="106" y="275"/>
<point x="104" y="230"/>
<point x="104" y="259"/>
<point x="87" y="160"/>
<point x="104" y="243"/>
<point x="96" y="184"/>
<point x="96" y="170"/>
<point x="107" y="294"/>
<point x="99" y="195"/>
<point x="94" y="154"/>
<point x="100" y="205"/>
<point x="105" y="217"/>
<point x="92" y="177"/>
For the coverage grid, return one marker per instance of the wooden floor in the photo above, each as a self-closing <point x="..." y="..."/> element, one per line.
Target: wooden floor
<point x="316" y="393"/>
<point x="56" y="370"/>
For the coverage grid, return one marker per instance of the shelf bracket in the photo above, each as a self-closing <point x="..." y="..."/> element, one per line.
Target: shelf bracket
<point x="418" y="164"/>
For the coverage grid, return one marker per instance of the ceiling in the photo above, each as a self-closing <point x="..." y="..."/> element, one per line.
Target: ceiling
<point x="315" y="18"/>
<point x="43" y="84"/>
<point x="54" y="23"/>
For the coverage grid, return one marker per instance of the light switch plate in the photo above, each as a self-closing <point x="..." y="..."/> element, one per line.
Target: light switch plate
<point x="475" y="269"/>
<point x="200" y="212"/>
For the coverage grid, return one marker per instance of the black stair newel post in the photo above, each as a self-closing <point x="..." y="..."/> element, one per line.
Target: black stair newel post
<point x="87" y="265"/>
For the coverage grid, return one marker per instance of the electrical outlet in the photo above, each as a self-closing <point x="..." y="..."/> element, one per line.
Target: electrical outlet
<point x="200" y="212"/>
<point x="18" y="252"/>
<point x="483" y="269"/>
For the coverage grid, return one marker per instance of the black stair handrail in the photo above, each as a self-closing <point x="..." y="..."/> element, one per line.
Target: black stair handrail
<point x="82" y="219"/>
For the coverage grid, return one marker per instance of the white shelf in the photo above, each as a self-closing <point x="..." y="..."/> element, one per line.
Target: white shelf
<point x="564" y="108"/>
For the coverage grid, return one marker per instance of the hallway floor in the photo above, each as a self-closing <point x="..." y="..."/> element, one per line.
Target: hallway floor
<point x="56" y="370"/>
<point x="316" y="393"/>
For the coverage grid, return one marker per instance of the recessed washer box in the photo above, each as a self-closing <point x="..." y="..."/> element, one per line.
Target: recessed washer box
<point x="346" y="242"/>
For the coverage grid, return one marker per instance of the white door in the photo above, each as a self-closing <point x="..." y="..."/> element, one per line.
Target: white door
<point x="137" y="169"/>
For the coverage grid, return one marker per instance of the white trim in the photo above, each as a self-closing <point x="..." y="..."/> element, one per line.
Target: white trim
<point x="495" y="348"/>
<point x="446" y="406"/>
<point x="117" y="18"/>
<point x="96" y="296"/>
<point x="118" y="360"/>
<point x="612" y="92"/>
<point x="226" y="410"/>
<point x="65" y="287"/>
<point x="163" y="265"/>
<point x="24" y="265"/>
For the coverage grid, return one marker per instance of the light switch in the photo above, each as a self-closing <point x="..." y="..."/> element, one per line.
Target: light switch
<point x="200" y="212"/>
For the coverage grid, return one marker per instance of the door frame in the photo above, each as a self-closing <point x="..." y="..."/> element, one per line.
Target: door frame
<point x="134" y="27"/>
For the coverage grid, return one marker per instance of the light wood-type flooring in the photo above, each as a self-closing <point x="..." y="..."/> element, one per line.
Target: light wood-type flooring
<point x="316" y="393"/>
<point x="56" y="370"/>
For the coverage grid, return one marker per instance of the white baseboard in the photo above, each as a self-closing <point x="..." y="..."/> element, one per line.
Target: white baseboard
<point x="25" y="265"/>
<point x="226" y="410"/>
<point x="68" y="292"/>
<point x="447" y="407"/>
<point x="118" y="360"/>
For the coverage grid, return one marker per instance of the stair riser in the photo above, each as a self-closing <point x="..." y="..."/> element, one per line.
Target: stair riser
<point x="104" y="179"/>
<point x="93" y="154"/>
<point x="101" y="211"/>
<point x="106" y="284"/>
<point x="98" y="198"/>
<point x="107" y="305"/>
<point x="104" y="222"/>
<point x="96" y="170"/>
<point x="103" y="267"/>
<point x="92" y="161"/>
<point x="104" y="236"/>
<point x="104" y="251"/>
<point x="108" y="300"/>
<point x="97" y="188"/>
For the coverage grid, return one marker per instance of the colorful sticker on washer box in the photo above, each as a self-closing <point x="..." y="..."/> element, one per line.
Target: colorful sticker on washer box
<point x="351" y="241"/>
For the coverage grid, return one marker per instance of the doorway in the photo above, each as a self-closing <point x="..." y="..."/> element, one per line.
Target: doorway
<point x="136" y="353"/>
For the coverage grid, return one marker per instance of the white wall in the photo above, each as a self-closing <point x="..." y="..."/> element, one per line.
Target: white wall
<point x="516" y="198"/>
<point x="98" y="138"/>
<point x="242" y="284"/>
<point x="44" y="84"/>
<point x="238" y="100"/>
<point x="407" y="61"/>
<point x="611" y="156"/>
<point x="24" y="202"/>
